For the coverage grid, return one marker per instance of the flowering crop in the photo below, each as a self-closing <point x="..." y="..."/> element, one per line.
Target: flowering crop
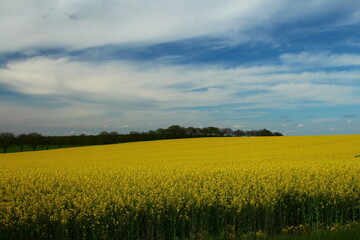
<point x="179" y="188"/>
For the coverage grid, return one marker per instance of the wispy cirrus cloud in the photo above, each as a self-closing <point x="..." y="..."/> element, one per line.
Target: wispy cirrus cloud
<point x="132" y="63"/>
<point x="125" y="22"/>
<point x="306" y="59"/>
<point x="351" y="115"/>
<point x="160" y="86"/>
<point x="87" y="23"/>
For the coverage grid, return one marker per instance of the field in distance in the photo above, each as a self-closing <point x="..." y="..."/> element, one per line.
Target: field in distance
<point x="184" y="188"/>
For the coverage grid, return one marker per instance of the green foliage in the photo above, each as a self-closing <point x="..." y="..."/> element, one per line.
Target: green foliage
<point x="15" y="148"/>
<point x="39" y="142"/>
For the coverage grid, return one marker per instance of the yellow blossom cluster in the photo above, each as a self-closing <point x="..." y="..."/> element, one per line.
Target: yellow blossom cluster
<point x="175" y="188"/>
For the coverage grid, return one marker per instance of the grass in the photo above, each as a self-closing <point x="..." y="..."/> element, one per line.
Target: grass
<point x="350" y="231"/>
<point x="346" y="232"/>
<point x="27" y="148"/>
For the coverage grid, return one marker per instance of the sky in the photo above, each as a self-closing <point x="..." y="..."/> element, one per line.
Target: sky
<point x="86" y="66"/>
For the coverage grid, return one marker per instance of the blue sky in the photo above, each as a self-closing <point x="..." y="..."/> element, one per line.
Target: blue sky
<point x="71" y="67"/>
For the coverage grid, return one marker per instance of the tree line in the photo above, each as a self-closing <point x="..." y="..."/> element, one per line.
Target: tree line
<point x="36" y="140"/>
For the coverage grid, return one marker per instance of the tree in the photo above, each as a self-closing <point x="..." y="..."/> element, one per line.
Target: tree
<point x="21" y="141"/>
<point x="104" y="137"/>
<point x="264" y="132"/>
<point x="251" y="133"/>
<point x="226" y="132"/>
<point x="6" y="139"/>
<point x="114" y="137"/>
<point x="71" y="140"/>
<point x="193" y="132"/>
<point x="83" y="140"/>
<point x="239" y="133"/>
<point x="211" y="131"/>
<point x="175" y="131"/>
<point x="34" y="140"/>
<point x="153" y="135"/>
<point x="59" y="141"/>
<point x="45" y="142"/>
<point x="161" y="133"/>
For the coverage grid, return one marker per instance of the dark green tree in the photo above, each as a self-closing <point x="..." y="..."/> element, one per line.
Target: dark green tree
<point x="21" y="141"/>
<point x="6" y="139"/>
<point x="34" y="139"/>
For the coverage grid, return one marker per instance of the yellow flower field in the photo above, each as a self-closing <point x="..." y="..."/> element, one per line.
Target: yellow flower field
<point x="179" y="188"/>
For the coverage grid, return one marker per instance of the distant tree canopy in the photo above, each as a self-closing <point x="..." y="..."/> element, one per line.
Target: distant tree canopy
<point x="34" y="140"/>
<point x="6" y="139"/>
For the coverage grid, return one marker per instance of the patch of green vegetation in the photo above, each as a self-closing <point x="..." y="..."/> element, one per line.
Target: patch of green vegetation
<point x="350" y="231"/>
<point x="15" y="148"/>
<point x="341" y="233"/>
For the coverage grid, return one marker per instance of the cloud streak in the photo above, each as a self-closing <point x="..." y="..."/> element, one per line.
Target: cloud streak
<point x="131" y="63"/>
<point x="87" y="23"/>
<point x="321" y="59"/>
<point x="139" y="85"/>
<point x="351" y="116"/>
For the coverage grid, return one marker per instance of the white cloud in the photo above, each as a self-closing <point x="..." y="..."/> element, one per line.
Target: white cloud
<point x="321" y="59"/>
<point x="353" y="18"/>
<point x="122" y="92"/>
<point x="85" y="23"/>
<point x="314" y="94"/>
<point x="334" y="129"/>
<point x="238" y="126"/>
<point x="144" y="92"/>
<point x="27" y="118"/>
<point x="300" y="125"/>
<point x="131" y="85"/>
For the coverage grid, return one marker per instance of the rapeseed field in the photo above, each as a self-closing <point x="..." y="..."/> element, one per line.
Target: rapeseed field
<point x="185" y="188"/>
